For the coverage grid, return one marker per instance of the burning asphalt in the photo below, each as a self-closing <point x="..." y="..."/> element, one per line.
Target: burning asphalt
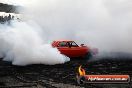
<point x="62" y="76"/>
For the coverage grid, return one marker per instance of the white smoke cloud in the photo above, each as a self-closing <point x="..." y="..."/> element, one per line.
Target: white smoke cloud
<point x="97" y="23"/>
<point x="22" y="44"/>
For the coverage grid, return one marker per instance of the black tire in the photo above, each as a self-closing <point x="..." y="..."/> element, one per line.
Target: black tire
<point x="88" y="56"/>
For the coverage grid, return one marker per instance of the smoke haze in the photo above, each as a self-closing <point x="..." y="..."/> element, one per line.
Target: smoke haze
<point x="25" y="46"/>
<point x="98" y="23"/>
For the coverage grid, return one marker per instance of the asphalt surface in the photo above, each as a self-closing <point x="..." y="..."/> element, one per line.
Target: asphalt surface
<point x="62" y="76"/>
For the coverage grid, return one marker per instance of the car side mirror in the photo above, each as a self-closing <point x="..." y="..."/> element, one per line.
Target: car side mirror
<point x="82" y="44"/>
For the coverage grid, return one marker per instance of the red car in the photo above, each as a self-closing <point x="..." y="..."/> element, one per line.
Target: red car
<point x="71" y="49"/>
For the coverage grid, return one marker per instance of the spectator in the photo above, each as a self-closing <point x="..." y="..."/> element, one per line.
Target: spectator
<point x="9" y="18"/>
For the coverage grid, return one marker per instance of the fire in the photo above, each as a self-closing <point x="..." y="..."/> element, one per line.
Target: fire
<point x="81" y="71"/>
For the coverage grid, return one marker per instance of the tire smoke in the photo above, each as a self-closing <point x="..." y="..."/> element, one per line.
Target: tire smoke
<point x="103" y="24"/>
<point x="22" y="44"/>
<point x="98" y="23"/>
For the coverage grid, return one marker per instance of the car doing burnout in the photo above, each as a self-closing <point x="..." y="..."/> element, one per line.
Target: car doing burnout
<point x="71" y="49"/>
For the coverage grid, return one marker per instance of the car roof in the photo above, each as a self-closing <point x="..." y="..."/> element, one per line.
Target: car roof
<point x="63" y="40"/>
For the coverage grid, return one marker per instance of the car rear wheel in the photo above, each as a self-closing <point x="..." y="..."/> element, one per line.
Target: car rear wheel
<point x="88" y="56"/>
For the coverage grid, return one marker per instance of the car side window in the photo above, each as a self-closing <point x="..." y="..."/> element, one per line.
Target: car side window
<point x="63" y="44"/>
<point x="73" y="44"/>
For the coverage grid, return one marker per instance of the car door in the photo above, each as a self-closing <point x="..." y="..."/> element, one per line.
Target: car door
<point x="77" y="51"/>
<point x="71" y="49"/>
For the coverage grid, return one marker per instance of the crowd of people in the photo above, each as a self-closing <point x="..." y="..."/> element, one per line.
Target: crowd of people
<point x="4" y="19"/>
<point x="7" y="17"/>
